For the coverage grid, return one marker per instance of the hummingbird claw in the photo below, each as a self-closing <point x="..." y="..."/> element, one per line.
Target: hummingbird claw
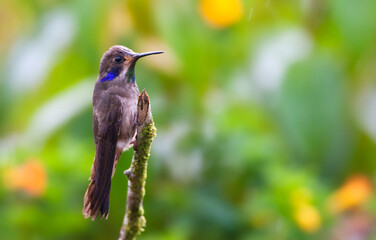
<point x="127" y="173"/>
<point x="135" y="120"/>
<point x="133" y="143"/>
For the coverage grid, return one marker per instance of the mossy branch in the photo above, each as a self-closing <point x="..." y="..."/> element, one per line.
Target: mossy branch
<point x="134" y="220"/>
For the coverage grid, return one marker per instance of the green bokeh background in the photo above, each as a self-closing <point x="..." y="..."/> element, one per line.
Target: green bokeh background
<point x="282" y="100"/>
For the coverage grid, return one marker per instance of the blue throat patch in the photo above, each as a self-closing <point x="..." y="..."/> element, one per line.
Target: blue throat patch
<point x="112" y="74"/>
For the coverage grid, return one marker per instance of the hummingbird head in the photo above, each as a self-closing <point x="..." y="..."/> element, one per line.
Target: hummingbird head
<point x="120" y="61"/>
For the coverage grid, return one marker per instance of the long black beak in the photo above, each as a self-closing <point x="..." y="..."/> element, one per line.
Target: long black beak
<point x="135" y="57"/>
<point x="140" y="55"/>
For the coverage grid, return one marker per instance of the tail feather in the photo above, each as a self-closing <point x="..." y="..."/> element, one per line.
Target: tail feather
<point x="97" y="196"/>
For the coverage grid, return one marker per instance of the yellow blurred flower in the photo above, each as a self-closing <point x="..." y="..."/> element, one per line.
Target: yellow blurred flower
<point x="354" y="192"/>
<point x="221" y="13"/>
<point x="308" y="218"/>
<point x="29" y="177"/>
<point x="301" y="196"/>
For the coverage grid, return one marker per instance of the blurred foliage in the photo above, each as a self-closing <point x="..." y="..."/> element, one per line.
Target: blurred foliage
<point x="266" y="117"/>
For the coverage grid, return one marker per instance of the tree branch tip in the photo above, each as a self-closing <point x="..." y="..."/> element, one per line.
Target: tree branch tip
<point x="134" y="220"/>
<point x="143" y="109"/>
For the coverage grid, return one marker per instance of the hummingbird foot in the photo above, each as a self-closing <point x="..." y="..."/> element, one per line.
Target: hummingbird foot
<point x="133" y="143"/>
<point x="135" y="122"/>
<point x="127" y="173"/>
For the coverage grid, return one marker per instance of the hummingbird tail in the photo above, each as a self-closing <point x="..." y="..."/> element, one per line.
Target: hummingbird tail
<point x="90" y="198"/>
<point x="97" y="196"/>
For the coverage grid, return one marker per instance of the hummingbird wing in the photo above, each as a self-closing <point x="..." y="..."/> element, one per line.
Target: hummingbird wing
<point x="106" y="127"/>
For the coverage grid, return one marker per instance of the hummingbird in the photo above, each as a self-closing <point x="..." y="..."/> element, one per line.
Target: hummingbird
<point x="114" y="123"/>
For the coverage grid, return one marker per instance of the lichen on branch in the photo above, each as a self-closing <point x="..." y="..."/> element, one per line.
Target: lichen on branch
<point x="134" y="220"/>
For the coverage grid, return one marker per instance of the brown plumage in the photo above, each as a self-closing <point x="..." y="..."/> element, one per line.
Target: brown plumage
<point x="114" y="111"/>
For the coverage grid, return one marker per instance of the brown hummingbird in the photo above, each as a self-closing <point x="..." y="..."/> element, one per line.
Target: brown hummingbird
<point x="114" y="123"/>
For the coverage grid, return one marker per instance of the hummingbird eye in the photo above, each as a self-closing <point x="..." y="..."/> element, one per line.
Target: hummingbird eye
<point x="118" y="59"/>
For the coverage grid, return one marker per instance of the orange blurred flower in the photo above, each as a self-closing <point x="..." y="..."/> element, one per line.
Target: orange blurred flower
<point x="29" y="177"/>
<point x="354" y="192"/>
<point x="221" y="13"/>
<point x="307" y="217"/>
